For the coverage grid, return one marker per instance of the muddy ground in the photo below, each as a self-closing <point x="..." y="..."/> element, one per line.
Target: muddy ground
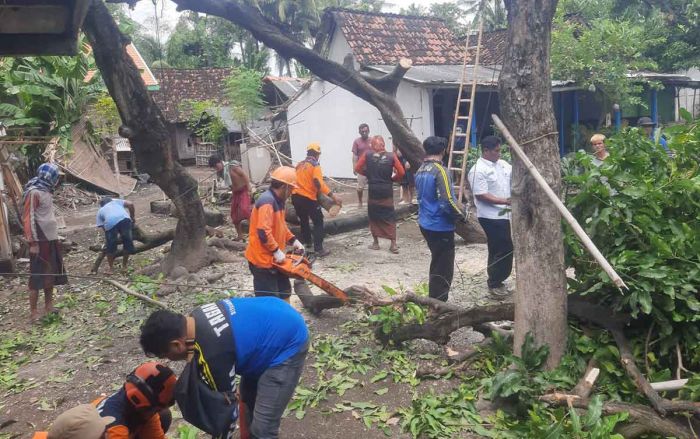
<point x="89" y="348"/>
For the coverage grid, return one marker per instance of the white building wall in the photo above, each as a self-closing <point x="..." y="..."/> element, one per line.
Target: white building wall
<point x="330" y="115"/>
<point x="339" y="47"/>
<point x="687" y="97"/>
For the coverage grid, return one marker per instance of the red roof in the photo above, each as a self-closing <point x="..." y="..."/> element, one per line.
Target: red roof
<point x="135" y="56"/>
<point x="179" y="85"/>
<point x="382" y="39"/>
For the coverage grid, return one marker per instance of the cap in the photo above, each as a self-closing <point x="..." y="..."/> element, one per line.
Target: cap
<point x="645" y="122"/>
<point x="81" y="422"/>
<point x="314" y="147"/>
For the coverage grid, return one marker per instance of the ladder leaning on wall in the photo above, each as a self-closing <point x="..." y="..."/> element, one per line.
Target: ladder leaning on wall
<point x="457" y="161"/>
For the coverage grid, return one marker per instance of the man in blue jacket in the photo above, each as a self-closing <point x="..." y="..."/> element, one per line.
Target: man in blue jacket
<point x="262" y="339"/>
<point x="438" y="210"/>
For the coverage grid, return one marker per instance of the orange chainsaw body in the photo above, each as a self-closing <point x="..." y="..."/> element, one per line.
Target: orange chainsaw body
<point x="299" y="267"/>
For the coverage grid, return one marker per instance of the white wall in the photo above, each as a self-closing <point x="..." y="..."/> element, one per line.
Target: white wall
<point x="339" y="47"/>
<point x="333" y="121"/>
<point x="686" y="95"/>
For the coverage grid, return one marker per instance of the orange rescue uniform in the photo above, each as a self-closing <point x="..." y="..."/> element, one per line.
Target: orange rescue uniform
<point x="268" y="230"/>
<point x="142" y="429"/>
<point x="310" y="179"/>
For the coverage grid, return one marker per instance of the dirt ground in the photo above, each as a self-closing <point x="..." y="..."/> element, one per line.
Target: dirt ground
<point x="87" y="351"/>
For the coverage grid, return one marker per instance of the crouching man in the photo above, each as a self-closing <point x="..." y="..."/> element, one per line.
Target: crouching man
<point x="140" y="409"/>
<point x="262" y="339"/>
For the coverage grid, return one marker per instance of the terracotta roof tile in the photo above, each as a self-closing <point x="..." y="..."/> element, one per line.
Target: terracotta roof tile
<point x="146" y="73"/>
<point x="383" y="39"/>
<point x="178" y="85"/>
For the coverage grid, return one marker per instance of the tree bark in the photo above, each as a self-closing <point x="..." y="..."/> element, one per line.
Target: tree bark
<point x="526" y="106"/>
<point x="380" y="92"/>
<point x="145" y="127"/>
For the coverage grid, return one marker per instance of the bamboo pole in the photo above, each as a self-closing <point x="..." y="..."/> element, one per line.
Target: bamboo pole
<point x="590" y="246"/>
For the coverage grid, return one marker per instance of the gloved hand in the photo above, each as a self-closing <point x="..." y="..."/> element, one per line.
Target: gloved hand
<point x="278" y="256"/>
<point x="298" y="246"/>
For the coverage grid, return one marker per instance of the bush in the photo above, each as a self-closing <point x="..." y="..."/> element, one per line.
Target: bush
<point x="642" y="209"/>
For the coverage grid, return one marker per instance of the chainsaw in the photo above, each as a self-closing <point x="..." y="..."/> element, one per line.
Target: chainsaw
<point x="298" y="266"/>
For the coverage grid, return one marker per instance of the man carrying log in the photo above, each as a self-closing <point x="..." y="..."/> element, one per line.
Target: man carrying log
<point x="239" y="183"/>
<point x="310" y="186"/>
<point x="117" y="218"/>
<point x="269" y="236"/>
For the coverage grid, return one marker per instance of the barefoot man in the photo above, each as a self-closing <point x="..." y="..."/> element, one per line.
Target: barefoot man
<point x="238" y="181"/>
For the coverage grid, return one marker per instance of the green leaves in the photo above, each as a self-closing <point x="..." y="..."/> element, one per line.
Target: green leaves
<point x="642" y="209"/>
<point x="244" y="92"/>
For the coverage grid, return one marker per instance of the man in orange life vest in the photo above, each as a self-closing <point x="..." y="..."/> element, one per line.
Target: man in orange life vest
<point x="310" y="186"/>
<point x="269" y="236"/>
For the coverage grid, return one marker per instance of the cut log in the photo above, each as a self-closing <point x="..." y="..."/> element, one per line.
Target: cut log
<point x="161" y="207"/>
<point x="471" y="231"/>
<point x="343" y="224"/>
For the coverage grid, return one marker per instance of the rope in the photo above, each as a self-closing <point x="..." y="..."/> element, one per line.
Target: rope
<point x="553" y="133"/>
<point x="127" y="280"/>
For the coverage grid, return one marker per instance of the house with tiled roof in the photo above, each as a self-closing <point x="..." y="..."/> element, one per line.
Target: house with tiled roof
<point x="177" y="86"/>
<point x="375" y="42"/>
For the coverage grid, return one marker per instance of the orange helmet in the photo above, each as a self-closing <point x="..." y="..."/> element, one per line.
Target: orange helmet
<point x="151" y="385"/>
<point x="286" y="175"/>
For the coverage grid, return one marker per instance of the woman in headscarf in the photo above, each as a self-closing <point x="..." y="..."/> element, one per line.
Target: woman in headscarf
<point x="378" y="165"/>
<point x="41" y="232"/>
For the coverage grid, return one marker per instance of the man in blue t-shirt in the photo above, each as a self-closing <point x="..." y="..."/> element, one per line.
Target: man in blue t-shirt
<point x="437" y="212"/>
<point x="117" y="218"/>
<point x="262" y="339"/>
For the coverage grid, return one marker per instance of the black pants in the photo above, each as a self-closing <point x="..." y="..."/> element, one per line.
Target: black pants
<point x="500" y="246"/>
<point x="270" y="282"/>
<point x="442" y="262"/>
<point x="307" y="208"/>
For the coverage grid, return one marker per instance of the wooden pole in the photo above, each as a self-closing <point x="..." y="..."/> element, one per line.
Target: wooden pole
<point x="590" y="246"/>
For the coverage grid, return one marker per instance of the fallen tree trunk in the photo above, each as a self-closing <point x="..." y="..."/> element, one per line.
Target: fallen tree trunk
<point x="344" y="224"/>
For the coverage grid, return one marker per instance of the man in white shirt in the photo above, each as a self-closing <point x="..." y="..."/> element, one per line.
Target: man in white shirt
<point x="490" y="180"/>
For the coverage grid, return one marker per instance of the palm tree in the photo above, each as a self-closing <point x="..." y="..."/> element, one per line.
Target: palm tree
<point x="492" y="12"/>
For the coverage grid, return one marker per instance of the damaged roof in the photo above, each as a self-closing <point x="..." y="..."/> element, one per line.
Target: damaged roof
<point x="379" y="38"/>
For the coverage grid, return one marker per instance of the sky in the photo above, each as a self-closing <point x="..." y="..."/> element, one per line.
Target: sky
<point x="144" y="12"/>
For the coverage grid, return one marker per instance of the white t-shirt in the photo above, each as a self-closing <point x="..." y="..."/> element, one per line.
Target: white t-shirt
<point x="493" y="178"/>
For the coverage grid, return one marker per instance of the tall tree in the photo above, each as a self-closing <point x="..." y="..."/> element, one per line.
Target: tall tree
<point x="199" y="41"/>
<point x="492" y="12"/>
<point x="144" y="126"/>
<point x="526" y="106"/>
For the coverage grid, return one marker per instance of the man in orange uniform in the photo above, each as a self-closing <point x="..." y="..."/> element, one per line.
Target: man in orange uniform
<point x="305" y="198"/>
<point x="269" y="236"/>
<point x="140" y="407"/>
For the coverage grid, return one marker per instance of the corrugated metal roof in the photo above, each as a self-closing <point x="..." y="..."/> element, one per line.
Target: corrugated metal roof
<point x="449" y="75"/>
<point x="226" y="116"/>
<point x="288" y="86"/>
